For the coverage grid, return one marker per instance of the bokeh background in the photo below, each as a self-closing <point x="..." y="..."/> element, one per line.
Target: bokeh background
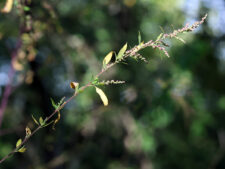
<point x="168" y="115"/>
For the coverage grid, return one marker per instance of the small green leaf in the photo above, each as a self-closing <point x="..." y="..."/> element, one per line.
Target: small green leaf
<point x="26" y="8"/>
<point x="180" y="39"/>
<point x="61" y="101"/>
<point x="107" y="58"/>
<point x="53" y="103"/>
<point x="41" y="121"/>
<point x="18" y="143"/>
<point x="121" y="52"/>
<point x="95" y="81"/>
<point x="159" y="37"/>
<point x="48" y="124"/>
<point x="34" y="120"/>
<point x="22" y="149"/>
<point x="139" y="37"/>
<point x="56" y="106"/>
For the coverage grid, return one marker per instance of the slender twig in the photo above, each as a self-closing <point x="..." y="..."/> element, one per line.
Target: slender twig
<point x="130" y="53"/>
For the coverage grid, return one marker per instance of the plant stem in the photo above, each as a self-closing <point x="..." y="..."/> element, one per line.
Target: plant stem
<point x="132" y="52"/>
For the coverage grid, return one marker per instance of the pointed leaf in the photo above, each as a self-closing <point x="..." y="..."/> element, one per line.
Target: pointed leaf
<point x="41" y="121"/>
<point x="22" y="150"/>
<point x="95" y="81"/>
<point x="102" y="96"/>
<point x="48" y="123"/>
<point x="108" y="58"/>
<point x="53" y="103"/>
<point x="61" y="101"/>
<point x="159" y="37"/>
<point x="18" y="143"/>
<point x="180" y="39"/>
<point x="139" y="37"/>
<point x="121" y="52"/>
<point x="34" y="120"/>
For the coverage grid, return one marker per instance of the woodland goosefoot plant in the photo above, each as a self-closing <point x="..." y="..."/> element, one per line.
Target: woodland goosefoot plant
<point x="122" y="55"/>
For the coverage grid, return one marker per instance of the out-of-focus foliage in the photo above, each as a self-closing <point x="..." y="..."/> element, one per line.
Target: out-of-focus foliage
<point x="168" y="115"/>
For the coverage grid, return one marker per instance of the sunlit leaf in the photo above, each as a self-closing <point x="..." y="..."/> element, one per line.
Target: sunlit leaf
<point x="34" y="120"/>
<point x="22" y="150"/>
<point x="18" y="143"/>
<point x="8" y="6"/>
<point x="121" y="52"/>
<point x="41" y="121"/>
<point x="102" y="96"/>
<point x="108" y="58"/>
<point x="180" y="39"/>
<point x="159" y="37"/>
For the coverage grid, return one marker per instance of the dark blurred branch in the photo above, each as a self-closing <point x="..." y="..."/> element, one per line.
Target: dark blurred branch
<point x="8" y="88"/>
<point x="221" y="151"/>
<point x="25" y="28"/>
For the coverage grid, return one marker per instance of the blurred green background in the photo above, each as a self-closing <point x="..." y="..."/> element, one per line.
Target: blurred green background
<point x="168" y="115"/>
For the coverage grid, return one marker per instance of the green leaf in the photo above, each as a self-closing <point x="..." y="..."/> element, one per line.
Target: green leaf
<point x="48" y="124"/>
<point x="53" y="103"/>
<point x="22" y="149"/>
<point x="159" y="37"/>
<point x="180" y="39"/>
<point x="95" y="81"/>
<point x="107" y="58"/>
<point x="41" y="121"/>
<point x="34" y="120"/>
<point x="139" y="37"/>
<point x="56" y="106"/>
<point x="26" y="8"/>
<point x="61" y="101"/>
<point x="18" y="143"/>
<point x="121" y="52"/>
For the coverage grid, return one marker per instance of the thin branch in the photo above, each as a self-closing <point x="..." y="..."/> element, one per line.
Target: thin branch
<point x="132" y="52"/>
